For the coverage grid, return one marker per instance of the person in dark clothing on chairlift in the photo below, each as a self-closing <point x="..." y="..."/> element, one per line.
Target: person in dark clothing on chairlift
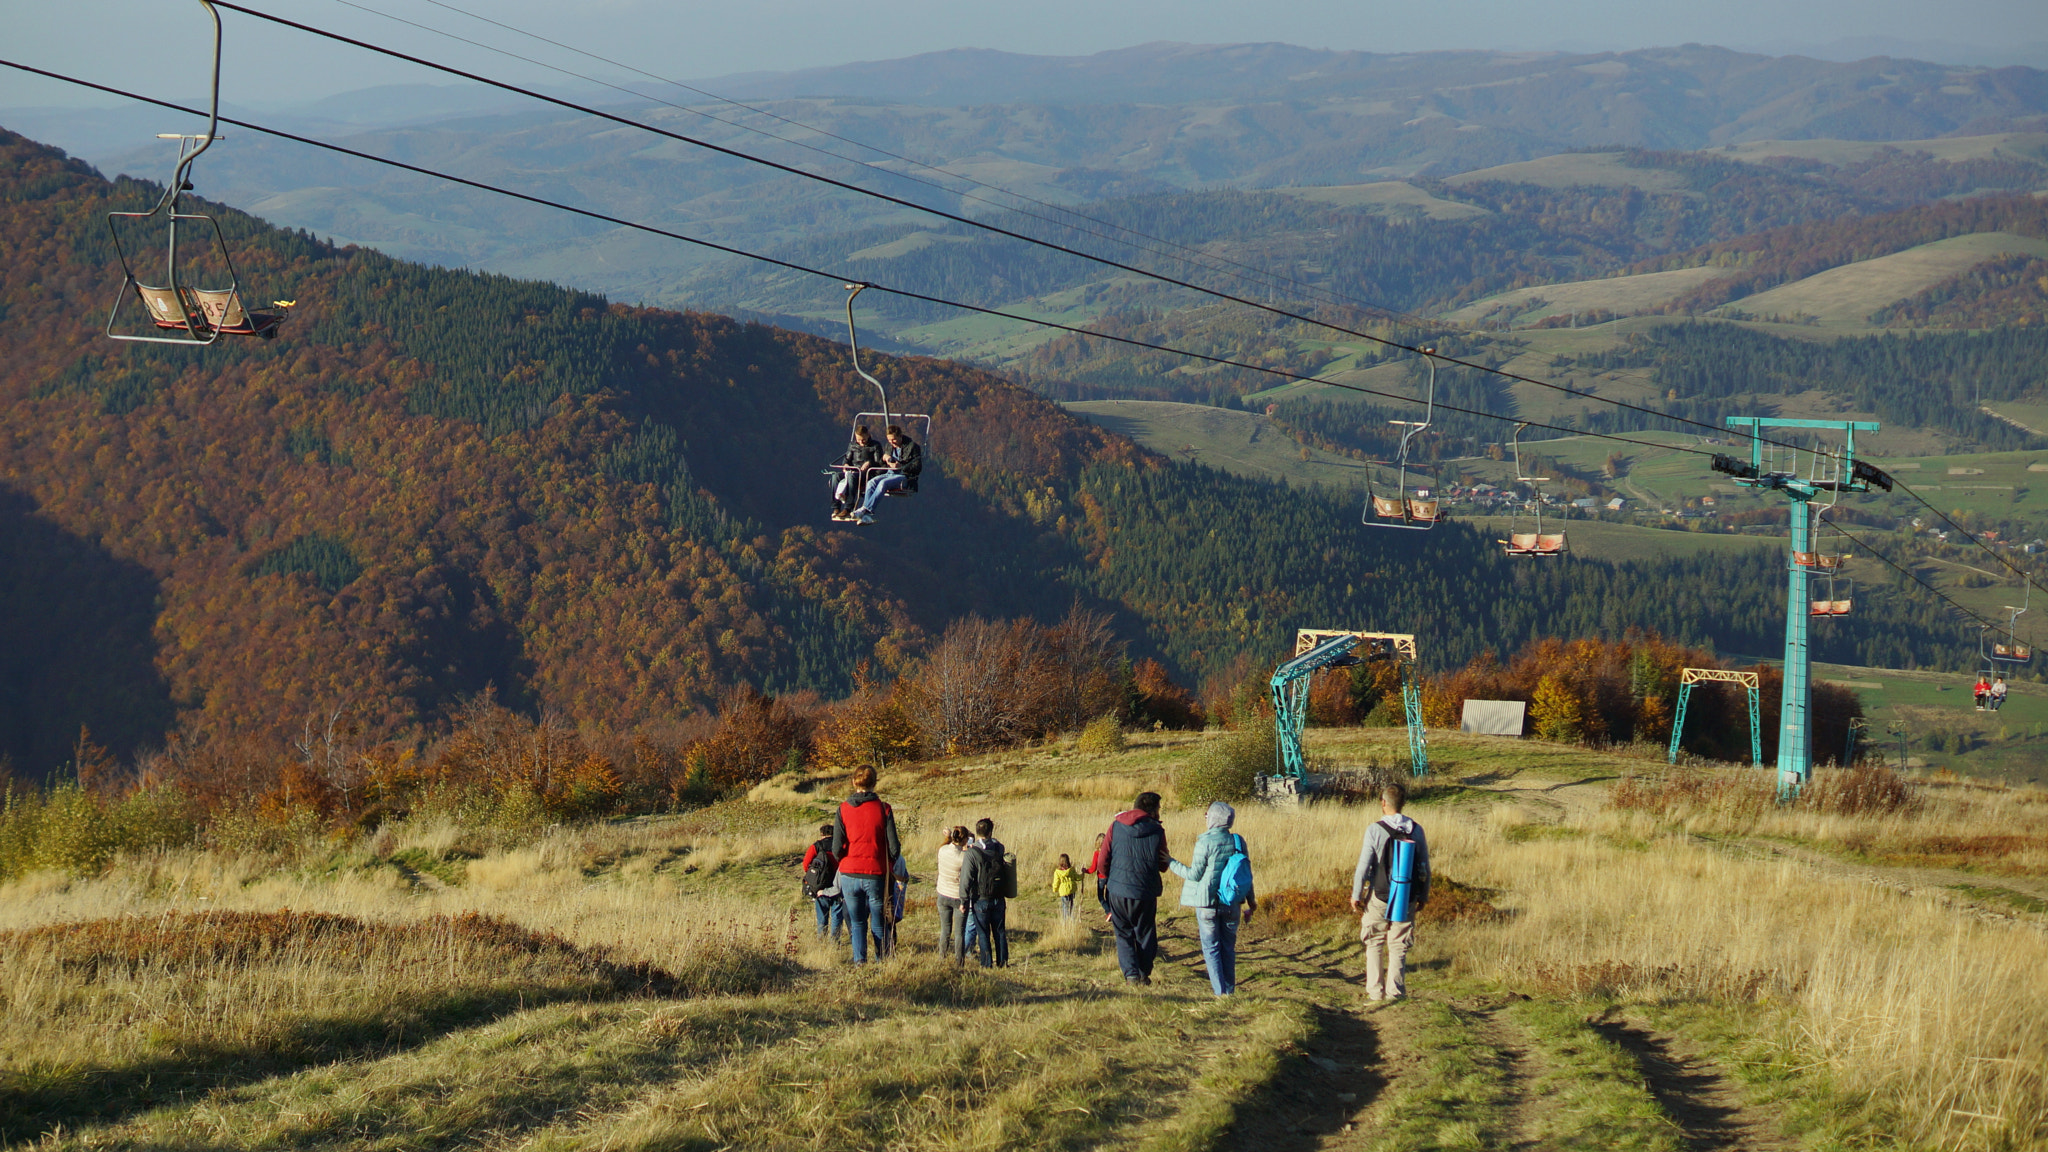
<point x="850" y="474"/>
<point x="904" y="460"/>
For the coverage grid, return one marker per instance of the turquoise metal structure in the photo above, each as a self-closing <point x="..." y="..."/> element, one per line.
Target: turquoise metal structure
<point x="1795" y="748"/>
<point x="1748" y="680"/>
<point x="1411" y="701"/>
<point x="1290" y="700"/>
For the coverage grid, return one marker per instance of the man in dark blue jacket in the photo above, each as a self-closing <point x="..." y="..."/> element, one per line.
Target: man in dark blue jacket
<point x="1133" y="858"/>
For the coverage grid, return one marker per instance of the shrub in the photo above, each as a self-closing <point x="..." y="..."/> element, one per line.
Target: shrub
<point x="1860" y="792"/>
<point x="70" y="829"/>
<point x="1102" y="737"/>
<point x="1222" y="769"/>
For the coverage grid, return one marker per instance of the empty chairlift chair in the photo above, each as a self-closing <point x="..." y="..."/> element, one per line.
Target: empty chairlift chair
<point x="202" y="315"/>
<point x="1402" y="507"/>
<point x="1535" y="542"/>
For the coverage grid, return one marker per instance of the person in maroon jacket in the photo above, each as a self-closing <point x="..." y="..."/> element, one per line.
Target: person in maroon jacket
<point x="864" y="841"/>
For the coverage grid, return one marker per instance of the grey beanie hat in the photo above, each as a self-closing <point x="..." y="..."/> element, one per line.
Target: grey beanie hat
<point x="1221" y="815"/>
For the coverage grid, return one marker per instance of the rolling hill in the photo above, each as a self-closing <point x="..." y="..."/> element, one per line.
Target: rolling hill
<point x="438" y="483"/>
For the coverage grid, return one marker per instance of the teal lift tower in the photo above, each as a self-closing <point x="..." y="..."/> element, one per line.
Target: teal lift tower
<point x="1828" y="476"/>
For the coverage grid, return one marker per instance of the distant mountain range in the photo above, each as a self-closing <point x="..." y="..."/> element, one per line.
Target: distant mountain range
<point x="435" y="482"/>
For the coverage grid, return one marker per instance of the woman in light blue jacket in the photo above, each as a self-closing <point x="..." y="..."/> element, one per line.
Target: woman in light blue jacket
<point x="1216" y="919"/>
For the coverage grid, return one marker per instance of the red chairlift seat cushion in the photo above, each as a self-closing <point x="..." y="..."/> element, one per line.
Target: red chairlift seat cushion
<point x="1549" y="545"/>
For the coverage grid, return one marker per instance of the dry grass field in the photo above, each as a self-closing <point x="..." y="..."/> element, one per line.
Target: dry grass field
<point x="1846" y="296"/>
<point x="1618" y="958"/>
<point x="1621" y="295"/>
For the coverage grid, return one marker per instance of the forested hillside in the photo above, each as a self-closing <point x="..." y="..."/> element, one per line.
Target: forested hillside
<point x="436" y="482"/>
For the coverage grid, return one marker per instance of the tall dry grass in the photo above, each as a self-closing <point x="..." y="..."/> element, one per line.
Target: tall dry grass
<point x="1940" y="1018"/>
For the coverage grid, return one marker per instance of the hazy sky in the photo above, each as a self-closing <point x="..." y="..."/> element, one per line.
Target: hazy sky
<point x="158" y="45"/>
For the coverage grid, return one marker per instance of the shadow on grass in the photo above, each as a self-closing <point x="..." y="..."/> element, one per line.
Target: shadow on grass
<point x="36" y="1100"/>
<point x="1703" y="1104"/>
<point x="1316" y="1091"/>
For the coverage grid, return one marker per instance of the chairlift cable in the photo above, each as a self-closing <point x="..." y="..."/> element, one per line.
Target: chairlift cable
<point x="1196" y="255"/>
<point x="1336" y="295"/>
<point x="906" y="293"/>
<point x="1908" y="572"/>
<point x="958" y="218"/>
<point x="928" y="298"/>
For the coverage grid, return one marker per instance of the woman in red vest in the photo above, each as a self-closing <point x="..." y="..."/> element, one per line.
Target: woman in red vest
<point x="864" y="840"/>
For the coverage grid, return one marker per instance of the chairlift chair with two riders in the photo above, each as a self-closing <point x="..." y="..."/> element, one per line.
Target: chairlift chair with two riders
<point x="917" y="424"/>
<point x="201" y="315"/>
<point x="1405" y="509"/>
<point x="1536" y="542"/>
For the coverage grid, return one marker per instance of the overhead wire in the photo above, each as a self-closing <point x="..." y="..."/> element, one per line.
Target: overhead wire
<point x="1195" y="255"/>
<point x="969" y="221"/>
<point x="1910" y="574"/>
<point x="1336" y="295"/>
<point x="908" y="293"/>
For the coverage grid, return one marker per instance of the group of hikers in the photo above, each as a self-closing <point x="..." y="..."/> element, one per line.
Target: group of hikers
<point x="856" y="875"/>
<point x="1990" y="696"/>
<point x="869" y="472"/>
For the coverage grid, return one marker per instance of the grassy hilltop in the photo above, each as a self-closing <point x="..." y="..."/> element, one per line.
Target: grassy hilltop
<point x="1613" y="960"/>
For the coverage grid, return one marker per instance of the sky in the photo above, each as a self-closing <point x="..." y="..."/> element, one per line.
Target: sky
<point x="159" y="46"/>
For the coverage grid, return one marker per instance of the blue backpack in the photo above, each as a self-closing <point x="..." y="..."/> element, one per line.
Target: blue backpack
<point x="1235" y="883"/>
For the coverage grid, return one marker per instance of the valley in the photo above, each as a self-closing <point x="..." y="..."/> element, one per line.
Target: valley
<point x="414" y="716"/>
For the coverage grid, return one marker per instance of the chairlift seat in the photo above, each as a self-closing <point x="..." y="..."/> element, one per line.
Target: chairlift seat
<point x="1422" y="510"/>
<point x="1387" y="507"/>
<point x="2016" y="653"/>
<point x="1806" y="559"/>
<point x="1521" y="543"/>
<point x="1550" y="545"/>
<point x="218" y="310"/>
<point x="1830" y="608"/>
<point x="1829" y="560"/>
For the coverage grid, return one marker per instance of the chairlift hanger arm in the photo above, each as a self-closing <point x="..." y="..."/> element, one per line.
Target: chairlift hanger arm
<point x="853" y="341"/>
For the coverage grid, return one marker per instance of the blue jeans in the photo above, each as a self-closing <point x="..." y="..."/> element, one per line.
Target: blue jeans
<point x="831" y="914"/>
<point x="988" y="925"/>
<point x="886" y="482"/>
<point x="867" y="913"/>
<point x="1218" y="927"/>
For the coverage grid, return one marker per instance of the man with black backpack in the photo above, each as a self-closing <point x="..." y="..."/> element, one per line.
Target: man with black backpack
<point x="987" y="876"/>
<point x="1395" y="861"/>
<point x="821" y="883"/>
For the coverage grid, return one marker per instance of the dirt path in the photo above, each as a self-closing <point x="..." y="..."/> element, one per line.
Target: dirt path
<point x="1519" y="1069"/>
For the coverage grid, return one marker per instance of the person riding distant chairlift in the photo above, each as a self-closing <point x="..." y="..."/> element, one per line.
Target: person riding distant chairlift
<point x="1982" y="691"/>
<point x="904" y="460"/>
<point x="850" y="474"/>
<point x="1998" y="691"/>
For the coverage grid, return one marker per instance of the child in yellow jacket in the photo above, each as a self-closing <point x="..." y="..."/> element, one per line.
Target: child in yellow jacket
<point x="1065" y="880"/>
